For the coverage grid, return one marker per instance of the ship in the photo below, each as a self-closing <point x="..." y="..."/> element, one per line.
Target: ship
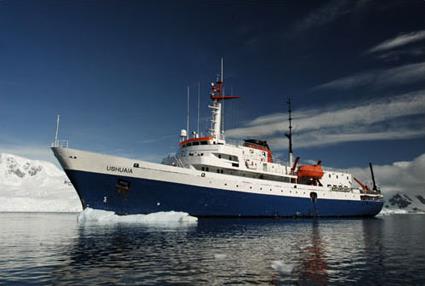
<point x="209" y="177"/>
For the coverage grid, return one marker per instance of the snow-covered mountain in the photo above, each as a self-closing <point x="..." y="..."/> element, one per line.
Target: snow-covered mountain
<point x="34" y="186"/>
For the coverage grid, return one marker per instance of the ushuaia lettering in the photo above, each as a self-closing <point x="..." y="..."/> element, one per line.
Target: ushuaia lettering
<point x="119" y="169"/>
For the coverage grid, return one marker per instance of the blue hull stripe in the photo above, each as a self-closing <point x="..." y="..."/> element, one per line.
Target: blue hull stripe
<point x="101" y="191"/>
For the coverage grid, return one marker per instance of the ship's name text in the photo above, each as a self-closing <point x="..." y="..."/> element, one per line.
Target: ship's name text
<point x="119" y="169"/>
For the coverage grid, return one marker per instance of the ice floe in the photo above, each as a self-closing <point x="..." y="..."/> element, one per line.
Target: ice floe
<point x="171" y="218"/>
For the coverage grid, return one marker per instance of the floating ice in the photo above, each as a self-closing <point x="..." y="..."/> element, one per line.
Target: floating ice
<point x="171" y="218"/>
<point x="220" y="256"/>
<point x="281" y="267"/>
<point x="386" y="211"/>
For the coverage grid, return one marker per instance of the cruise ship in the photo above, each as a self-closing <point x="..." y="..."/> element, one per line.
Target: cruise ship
<point x="208" y="177"/>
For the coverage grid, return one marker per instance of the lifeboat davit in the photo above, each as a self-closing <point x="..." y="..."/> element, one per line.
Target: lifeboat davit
<point x="310" y="171"/>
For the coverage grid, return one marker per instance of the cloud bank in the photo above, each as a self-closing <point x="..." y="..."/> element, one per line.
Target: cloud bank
<point x="406" y="74"/>
<point x="374" y="120"/>
<point x="406" y="176"/>
<point x="399" y="41"/>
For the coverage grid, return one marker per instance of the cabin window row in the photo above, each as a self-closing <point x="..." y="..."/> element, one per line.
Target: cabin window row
<point x="195" y="143"/>
<point x="227" y="157"/>
<point x="249" y="175"/>
<point x="193" y="154"/>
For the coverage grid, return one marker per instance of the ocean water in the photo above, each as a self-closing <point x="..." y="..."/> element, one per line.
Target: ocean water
<point x="55" y="249"/>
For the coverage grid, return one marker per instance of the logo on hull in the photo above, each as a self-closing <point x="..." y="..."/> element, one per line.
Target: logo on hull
<point x="119" y="169"/>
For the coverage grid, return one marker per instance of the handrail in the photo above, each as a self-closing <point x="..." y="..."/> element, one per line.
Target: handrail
<point x="60" y="143"/>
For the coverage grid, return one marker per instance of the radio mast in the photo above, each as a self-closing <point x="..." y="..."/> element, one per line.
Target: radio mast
<point x="289" y="134"/>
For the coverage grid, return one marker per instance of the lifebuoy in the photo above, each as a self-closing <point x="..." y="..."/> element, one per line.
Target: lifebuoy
<point x="202" y="174"/>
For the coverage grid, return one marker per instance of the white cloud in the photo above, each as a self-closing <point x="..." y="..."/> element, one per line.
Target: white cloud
<point x="324" y="14"/>
<point x="343" y="118"/>
<point x="406" y="177"/>
<point x="380" y="78"/>
<point x="399" y="41"/>
<point x="384" y="119"/>
<point x="330" y="137"/>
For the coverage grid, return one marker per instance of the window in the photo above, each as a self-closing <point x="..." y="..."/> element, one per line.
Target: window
<point x="204" y="142"/>
<point x="136" y="165"/>
<point x="219" y="156"/>
<point x="195" y="143"/>
<point x="122" y="186"/>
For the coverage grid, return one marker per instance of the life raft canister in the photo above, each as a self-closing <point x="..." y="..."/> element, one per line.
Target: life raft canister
<point x="310" y="171"/>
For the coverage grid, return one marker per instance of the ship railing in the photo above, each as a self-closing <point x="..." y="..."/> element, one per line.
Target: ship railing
<point x="180" y="162"/>
<point x="60" y="143"/>
<point x="335" y="170"/>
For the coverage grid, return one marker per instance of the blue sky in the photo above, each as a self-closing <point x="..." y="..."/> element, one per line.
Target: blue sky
<point x="117" y="73"/>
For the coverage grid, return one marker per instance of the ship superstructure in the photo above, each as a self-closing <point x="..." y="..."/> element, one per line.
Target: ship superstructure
<point x="209" y="177"/>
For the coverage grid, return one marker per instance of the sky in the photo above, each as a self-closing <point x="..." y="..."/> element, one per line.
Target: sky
<point x="117" y="73"/>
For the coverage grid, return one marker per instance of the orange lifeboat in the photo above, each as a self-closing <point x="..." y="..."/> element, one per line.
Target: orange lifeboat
<point x="310" y="171"/>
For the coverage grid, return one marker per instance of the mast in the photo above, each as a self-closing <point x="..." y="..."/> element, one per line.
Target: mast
<point x="199" y="102"/>
<point x="188" y="114"/>
<point x="57" y="130"/>
<point x="222" y="70"/>
<point x="217" y="96"/>
<point x="289" y="134"/>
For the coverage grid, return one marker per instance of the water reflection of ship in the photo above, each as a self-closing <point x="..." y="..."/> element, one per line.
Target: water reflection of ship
<point x="313" y="266"/>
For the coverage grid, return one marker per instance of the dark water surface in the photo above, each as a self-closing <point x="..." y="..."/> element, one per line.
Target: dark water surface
<point x="55" y="249"/>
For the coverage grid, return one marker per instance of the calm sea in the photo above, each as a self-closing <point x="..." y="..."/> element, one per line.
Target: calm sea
<point x="46" y="249"/>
